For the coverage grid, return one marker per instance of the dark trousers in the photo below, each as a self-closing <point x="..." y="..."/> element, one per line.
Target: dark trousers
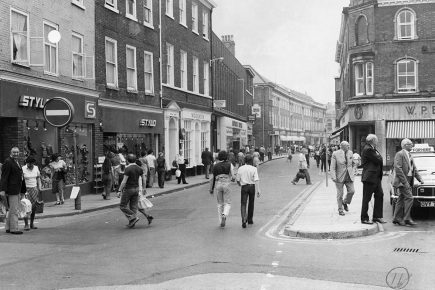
<point x="323" y="165"/>
<point x="262" y="156"/>
<point x="182" y="177"/>
<point x="307" y="176"/>
<point x="269" y="155"/>
<point x="307" y="156"/>
<point x="368" y="190"/>
<point x="161" y="177"/>
<point x="248" y="191"/>
<point x="129" y="200"/>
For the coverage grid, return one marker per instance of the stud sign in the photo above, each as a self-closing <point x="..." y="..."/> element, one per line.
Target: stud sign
<point x="58" y="112"/>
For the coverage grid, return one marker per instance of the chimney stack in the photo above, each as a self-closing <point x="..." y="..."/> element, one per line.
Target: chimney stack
<point x="228" y="41"/>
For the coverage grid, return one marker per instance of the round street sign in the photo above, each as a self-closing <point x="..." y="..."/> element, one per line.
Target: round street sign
<point x="58" y="112"/>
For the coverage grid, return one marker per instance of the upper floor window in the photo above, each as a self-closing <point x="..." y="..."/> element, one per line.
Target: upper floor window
<point x="194" y="17"/>
<point x="206" y="78"/>
<point x="19" y="37"/>
<point x="148" y="12"/>
<point x="130" y="9"/>
<point x="130" y="59"/>
<point x="77" y="56"/>
<point x="195" y="75"/>
<point x="170" y="8"/>
<point x="169" y="64"/>
<point x="78" y="3"/>
<point x="148" y="71"/>
<point x="111" y="63"/>
<point x="182" y="8"/>
<point x="405" y="24"/>
<point x="183" y="70"/>
<point x="406" y="76"/>
<point x="50" y="50"/>
<point x="205" y="24"/>
<point x="363" y="77"/>
<point x="112" y="5"/>
<point x="361" y="36"/>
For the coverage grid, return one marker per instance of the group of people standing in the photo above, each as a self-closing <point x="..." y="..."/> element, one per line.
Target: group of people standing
<point x="343" y="168"/>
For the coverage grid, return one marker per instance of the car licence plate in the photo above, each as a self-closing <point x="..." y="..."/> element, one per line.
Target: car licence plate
<point x="427" y="203"/>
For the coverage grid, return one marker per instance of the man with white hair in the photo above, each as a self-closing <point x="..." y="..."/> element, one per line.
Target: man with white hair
<point x="406" y="171"/>
<point x="342" y="173"/>
<point x="372" y="164"/>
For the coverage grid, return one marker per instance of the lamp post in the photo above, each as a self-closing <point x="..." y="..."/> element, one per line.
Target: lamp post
<point x="213" y="92"/>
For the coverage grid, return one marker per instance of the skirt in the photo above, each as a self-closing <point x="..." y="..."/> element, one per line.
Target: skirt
<point x="33" y="194"/>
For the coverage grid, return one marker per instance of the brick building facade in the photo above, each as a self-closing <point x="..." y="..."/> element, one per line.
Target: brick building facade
<point x="386" y="51"/>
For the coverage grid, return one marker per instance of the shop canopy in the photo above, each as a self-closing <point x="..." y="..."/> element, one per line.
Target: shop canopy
<point x="292" y="138"/>
<point x="411" y="129"/>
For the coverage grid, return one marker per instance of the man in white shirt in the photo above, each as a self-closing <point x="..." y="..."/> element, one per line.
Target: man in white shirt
<point x="152" y="164"/>
<point x="247" y="178"/>
<point x="303" y="169"/>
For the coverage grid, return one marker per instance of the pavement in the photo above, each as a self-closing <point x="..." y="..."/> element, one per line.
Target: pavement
<point x="317" y="217"/>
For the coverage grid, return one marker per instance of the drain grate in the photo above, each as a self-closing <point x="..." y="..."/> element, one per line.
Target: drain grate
<point x="405" y="250"/>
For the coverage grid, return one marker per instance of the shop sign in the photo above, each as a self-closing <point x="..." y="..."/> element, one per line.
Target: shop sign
<point x="243" y="133"/>
<point x="219" y="103"/>
<point x="229" y="131"/>
<point x="147" y="123"/>
<point x="424" y="110"/>
<point x="256" y="110"/>
<point x="236" y="124"/>
<point x="90" y="110"/>
<point x="198" y="116"/>
<point x="58" y="112"/>
<point x="32" y="102"/>
<point x="173" y="114"/>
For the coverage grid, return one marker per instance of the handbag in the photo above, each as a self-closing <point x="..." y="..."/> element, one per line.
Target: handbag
<point x="39" y="204"/>
<point x="178" y="173"/>
<point x="144" y="202"/>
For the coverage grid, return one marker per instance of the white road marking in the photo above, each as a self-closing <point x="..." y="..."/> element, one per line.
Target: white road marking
<point x="275" y="263"/>
<point x="57" y="113"/>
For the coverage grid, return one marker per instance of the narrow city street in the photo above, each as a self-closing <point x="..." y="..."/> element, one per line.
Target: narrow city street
<point x="185" y="241"/>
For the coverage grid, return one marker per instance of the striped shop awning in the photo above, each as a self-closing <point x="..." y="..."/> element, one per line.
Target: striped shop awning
<point x="411" y="129"/>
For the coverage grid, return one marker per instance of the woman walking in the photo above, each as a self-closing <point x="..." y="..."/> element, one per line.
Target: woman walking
<point x="58" y="172"/>
<point x="161" y="169"/>
<point x="223" y="173"/>
<point x="32" y="178"/>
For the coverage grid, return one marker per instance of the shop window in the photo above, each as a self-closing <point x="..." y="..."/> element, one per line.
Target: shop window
<point x="195" y="75"/>
<point x="148" y="12"/>
<point x="148" y="72"/>
<point x="50" y="50"/>
<point x="131" y="68"/>
<point x="182" y="11"/>
<point x="405" y="24"/>
<point x="406" y="76"/>
<point x="194" y="17"/>
<point x="19" y="37"/>
<point x="111" y="63"/>
<point x="183" y="69"/>
<point x="188" y="140"/>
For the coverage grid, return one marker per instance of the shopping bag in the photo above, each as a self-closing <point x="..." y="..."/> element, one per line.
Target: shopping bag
<point x="39" y="206"/>
<point x="144" y="203"/>
<point x="178" y="173"/>
<point x="25" y="207"/>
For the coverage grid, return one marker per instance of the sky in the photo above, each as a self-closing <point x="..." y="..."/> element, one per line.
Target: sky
<point x="290" y="42"/>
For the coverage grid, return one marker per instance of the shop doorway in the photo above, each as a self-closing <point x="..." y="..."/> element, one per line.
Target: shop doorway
<point x="173" y="139"/>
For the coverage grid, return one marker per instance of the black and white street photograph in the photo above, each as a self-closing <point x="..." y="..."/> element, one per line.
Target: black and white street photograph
<point x="217" y="144"/>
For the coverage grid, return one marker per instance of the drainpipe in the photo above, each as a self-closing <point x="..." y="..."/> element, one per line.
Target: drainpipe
<point x="160" y="54"/>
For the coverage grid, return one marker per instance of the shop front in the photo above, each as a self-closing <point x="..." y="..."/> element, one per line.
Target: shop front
<point x="232" y="134"/>
<point x="23" y="125"/>
<point x="391" y="121"/>
<point x="131" y="128"/>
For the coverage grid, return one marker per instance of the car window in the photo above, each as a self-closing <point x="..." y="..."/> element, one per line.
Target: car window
<point x="424" y="162"/>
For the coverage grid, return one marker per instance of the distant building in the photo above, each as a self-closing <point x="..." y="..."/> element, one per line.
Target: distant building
<point x="386" y="83"/>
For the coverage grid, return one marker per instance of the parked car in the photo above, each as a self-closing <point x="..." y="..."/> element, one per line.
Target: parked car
<point x="424" y="194"/>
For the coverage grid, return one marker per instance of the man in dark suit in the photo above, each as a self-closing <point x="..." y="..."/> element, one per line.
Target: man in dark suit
<point x="11" y="187"/>
<point x="207" y="159"/>
<point x="372" y="163"/>
<point x="405" y="172"/>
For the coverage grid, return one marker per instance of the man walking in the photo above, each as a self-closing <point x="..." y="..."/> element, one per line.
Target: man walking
<point x="10" y="189"/>
<point x="406" y="171"/>
<point x="342" y="173"/>
<point x="152" y="164"/>
<point x="207" y="159"/>
<point x="130" y="184"/>
<point x="372" y="163"/>
<point x="247" y="178"/>
<point x="303" y="169"/>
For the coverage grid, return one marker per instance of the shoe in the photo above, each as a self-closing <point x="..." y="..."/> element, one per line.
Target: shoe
<point x="309" y="183"/>
<point x="367" y="222"/>
<point x="244" y="225"/>
<point x="8" y="231"/>
<point x="410" y="223"/>
<point x="104" y="196"/>
<point x="27" y="228"/>
<point x="57" y="203"/>
<point x="379" y="220"/>
<point x="399" y="223"/>
<point x="207" y="178"/>
<point x="185" y="183"/>
<point x="62" y="202"/>
<point x="132" y="222"/>
<point x="150" y="219"/>
<point x="294" y="183"/>
<point x="250" y="222"/>
<point x="33" y="227"/>
<point x="16" y="232"/>
<point x="223" y="220"/>
<point x="341" y="213"/>
<point x="345" y="206"/>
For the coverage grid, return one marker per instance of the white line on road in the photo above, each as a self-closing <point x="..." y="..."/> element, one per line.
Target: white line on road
<point x="57" y="113"/>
